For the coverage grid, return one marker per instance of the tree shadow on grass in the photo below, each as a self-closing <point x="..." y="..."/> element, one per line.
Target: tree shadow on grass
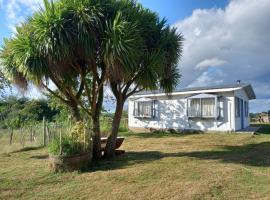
<point x="158" y="134"/>
<point x="27" y="149"/>
<point x="264" y="128"/>
<point x="40" y="157"/>
<point x="250" y="154"/>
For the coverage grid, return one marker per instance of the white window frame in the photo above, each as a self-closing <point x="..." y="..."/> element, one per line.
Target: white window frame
<point x="200" y="98"/>
<point x="246" y="106"/>
<point x="237" y="107"/>
<point x="142" y="102"/>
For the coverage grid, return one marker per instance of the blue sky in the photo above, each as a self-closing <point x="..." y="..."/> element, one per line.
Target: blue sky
<point x="175" y="10"/>
<point x="225" y="40"/>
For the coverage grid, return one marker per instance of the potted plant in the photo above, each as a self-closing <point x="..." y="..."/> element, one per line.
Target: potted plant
<point x="72" y="151"/>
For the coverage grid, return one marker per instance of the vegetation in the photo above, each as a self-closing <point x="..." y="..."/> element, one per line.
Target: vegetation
<point x="78" y="141"/>
<point x="81" y="45"/>
<point x="18" y="112"/>
<point x="68" y="146"/>
<point x="199" y="166"/>
<point x="4" y="83"/>
<point x="148" y="61"/>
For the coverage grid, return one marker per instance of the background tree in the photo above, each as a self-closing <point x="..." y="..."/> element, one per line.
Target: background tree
<point x="4" y="83"/>
<point x="17" y="112"/>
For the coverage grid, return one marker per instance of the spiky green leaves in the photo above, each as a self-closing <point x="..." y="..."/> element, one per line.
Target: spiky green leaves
<point x="120" y="47"/>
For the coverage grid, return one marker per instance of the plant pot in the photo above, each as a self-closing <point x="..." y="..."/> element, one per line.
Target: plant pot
<point x="69" y="163"/>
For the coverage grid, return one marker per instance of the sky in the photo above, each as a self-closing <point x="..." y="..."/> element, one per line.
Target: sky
<point x="225" y="40"/>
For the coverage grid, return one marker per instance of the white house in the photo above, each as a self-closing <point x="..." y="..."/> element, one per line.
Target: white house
<point x="217" y="108"/>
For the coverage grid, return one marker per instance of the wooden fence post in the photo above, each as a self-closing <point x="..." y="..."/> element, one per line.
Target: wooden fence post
<point x="31" y="134"/>
<point x="48" y="135"/>
<point x="11" y="136"/>
<point x="44" y="131"/>
<point x="60" y="141"/>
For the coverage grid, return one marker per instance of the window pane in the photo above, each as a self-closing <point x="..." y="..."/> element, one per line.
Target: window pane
<point x="194" y="109"/>
<point x="208" y="107"/>
<point x="237" y="107"/>
<point x="143" y="109"/>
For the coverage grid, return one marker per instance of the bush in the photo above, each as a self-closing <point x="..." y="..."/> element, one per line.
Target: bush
<point x="69" y="146"/>
<point x="78" y="141"/>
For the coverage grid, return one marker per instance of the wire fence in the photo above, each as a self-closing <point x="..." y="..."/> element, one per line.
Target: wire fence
<point x="41" y="134"/>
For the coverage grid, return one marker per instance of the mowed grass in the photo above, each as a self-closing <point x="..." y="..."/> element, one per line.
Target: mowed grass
<point x="155" y="166"/>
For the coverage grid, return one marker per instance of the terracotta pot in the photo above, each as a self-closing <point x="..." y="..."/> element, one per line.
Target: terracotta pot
<point x="69" y="163"/>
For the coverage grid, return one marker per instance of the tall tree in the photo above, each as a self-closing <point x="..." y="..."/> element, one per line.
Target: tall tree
<point x="79" y="45"/>
<point x="60" y="44"/>
<point x="151" y="51"/>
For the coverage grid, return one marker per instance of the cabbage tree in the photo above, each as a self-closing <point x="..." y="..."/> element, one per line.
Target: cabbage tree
<point x="61" y="45"/>
<point x="151" y="48"/>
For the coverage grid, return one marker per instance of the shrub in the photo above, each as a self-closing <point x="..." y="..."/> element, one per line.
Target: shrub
<point x="78" y="141"/>
<point x="69" y="146"/>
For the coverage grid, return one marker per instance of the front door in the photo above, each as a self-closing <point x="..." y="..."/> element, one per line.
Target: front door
<point x="242" y="113"/>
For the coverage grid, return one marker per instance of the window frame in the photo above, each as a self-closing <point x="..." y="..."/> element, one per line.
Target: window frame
<point x="246" y="106"/>
<point x="137" y="113"/>
<point x="237" y="105"/>
<point x="201" y="97"/>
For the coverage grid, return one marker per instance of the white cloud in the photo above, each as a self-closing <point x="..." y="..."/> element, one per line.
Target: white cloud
<point x="236" y="39"/>
<point x="17" y="10"/>
<point x="213" y="62"/>
<point x="207" y="78"/>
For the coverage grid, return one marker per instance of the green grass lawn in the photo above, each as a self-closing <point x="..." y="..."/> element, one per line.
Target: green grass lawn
<point x="155" y="166"/>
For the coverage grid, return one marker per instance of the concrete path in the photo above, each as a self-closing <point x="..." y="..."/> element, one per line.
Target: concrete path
<point x="250" y="129"/>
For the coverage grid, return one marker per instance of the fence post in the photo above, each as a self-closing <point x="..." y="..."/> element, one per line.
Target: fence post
<point x="31" y="134"/>
<point x="44" y="131"/>
<point x="60" y="141"/>
<point x="48" y="135"/>
<point x="11" y="136"/>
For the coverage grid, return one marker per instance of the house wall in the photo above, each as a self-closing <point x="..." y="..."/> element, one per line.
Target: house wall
<point x="172" y="113"/>
<point x="242" y="95"/>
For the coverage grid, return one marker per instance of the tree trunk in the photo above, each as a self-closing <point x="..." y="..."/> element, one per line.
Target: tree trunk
<point x="111" y="142"/>
<point x="96" y="139"/>
<point x="97" y="154"/>
<point x="75" y="113"/>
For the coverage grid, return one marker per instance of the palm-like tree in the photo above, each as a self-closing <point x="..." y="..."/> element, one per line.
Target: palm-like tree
<point x="60" y="44"/>
<point x="79" y="45"/>
<point x="151" y="51"/>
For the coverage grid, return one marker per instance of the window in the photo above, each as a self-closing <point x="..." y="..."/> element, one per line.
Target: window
<point x="246" y="109"/>
<point x="221" y="106"/>
<point x="202" y="107"/>
<point x="143" y="109"/>
<point x="208" y="107"/>
<point x="237" y="107"/>
<point x="195" y="108"/>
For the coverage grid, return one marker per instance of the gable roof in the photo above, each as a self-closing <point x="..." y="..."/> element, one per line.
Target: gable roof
<point x="208" y="89"/>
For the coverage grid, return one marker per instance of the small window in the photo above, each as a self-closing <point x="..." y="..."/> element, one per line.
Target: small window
<point x="220" y="107"/>
<point x="237" y="107"/>
<point x="246" y="109"/>
<point x="143" y="109"/>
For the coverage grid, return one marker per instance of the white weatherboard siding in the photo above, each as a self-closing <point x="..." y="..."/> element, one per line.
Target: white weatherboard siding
<point x="242" y="95"/>
<point x="171" y="111"/>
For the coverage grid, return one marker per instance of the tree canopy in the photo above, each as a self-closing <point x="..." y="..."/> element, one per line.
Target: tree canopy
<point x="81" y="45"/>
<point x="17" y="112"/>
